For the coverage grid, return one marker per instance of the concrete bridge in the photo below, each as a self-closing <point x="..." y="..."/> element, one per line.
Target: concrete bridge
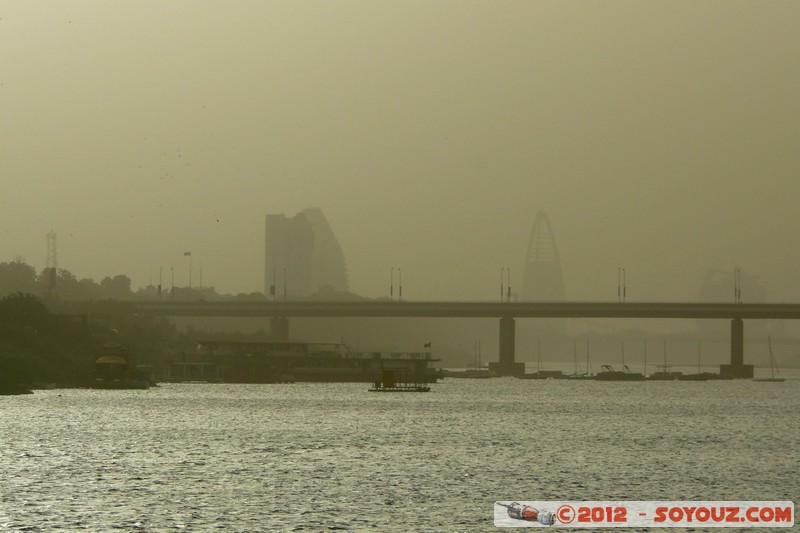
<point x="280" y="312"/>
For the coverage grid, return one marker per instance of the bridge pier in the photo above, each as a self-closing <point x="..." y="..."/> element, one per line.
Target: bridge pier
<point x="506" y="366"/>
<point x="279" y="328"/>
<point x="737" y="368"/>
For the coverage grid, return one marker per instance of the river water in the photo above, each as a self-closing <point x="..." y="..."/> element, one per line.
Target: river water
<point x="320" y="457"/>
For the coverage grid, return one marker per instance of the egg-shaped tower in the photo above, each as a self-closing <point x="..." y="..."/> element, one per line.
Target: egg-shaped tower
<point x="543" y="279"/>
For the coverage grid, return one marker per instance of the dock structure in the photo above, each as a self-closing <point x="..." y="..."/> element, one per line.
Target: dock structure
<point x="290" y="362"/>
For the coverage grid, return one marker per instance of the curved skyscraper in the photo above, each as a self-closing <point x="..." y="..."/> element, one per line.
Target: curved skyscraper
<point x="302" y="255"/>
<point x="328" y="267"/>
<point x="543" y="280"/>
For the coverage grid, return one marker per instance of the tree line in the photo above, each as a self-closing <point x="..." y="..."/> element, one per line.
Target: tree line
<point x="62" y="285"/>
<point x="39" y="346"/>
<point x="17" y="276"/>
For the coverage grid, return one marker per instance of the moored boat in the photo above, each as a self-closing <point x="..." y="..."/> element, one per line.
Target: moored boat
<point x="698" y="376"/>
<point x="607" y="373"/>
<point x="772" y="366"/>
<point x="477" y="372"/>
<point x="664" y="374"/>
<point x="544" y="374"/>
<point x="541" y="373"/>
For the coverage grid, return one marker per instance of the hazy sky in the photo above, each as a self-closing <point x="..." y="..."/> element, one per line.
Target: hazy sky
<point x="659" y="136"/>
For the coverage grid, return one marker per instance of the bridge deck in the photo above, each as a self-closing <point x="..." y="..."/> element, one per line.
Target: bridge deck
<point x="475" y="309"/>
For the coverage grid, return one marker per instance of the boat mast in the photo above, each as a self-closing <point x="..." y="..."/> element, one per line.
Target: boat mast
<point x="699" y="352"/>
<point x="539" y="357"/>
<point x="771" y="358"/>
<point x="588" y="361"/>
<point x="575" y="353"/>
<point x="645" y="358"/>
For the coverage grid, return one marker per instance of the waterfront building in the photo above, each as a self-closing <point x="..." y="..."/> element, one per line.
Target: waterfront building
<point x="280" y="362"/>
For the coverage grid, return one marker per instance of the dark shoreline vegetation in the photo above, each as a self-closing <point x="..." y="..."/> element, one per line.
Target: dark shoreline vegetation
<point x="54" y="326"/>
<point x="39" y="347"/>
<point x="44" y="348"/>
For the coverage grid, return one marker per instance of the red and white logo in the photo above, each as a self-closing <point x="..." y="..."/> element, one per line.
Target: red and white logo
<point x="645" y="514"/>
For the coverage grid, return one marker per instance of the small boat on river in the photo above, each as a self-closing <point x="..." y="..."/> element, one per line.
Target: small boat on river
<point x="390" y="383"/>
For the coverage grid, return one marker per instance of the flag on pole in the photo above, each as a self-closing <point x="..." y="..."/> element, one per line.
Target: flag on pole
<point x="187" y="253"/>
<point x="427" y="345"/>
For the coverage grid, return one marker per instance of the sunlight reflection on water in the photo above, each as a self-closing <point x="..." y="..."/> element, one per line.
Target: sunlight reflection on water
<point x="321" y="456"/>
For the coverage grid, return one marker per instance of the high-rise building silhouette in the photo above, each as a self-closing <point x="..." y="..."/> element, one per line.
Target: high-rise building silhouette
<point x="302" y="256"/>
<point x="328" y="266"/>
<point x="543" y="279"/>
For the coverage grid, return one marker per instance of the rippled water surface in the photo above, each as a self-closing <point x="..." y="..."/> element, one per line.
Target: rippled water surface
<point x="314" y="457"/>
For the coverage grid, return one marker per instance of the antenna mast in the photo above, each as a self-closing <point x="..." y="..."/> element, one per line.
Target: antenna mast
<point x="51" y="264"/>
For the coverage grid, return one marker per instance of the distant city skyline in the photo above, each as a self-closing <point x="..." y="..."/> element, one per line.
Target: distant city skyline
<point x="305" y="247"/>
<point x="659" y="138"/>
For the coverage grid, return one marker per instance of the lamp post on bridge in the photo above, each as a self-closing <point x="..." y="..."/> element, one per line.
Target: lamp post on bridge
<point x="400" y="284"/>
<point x="505" y="292"/>
<point x="190" y="267"/>
<point x="501" y="283"/>
<point x="737" y="285"/>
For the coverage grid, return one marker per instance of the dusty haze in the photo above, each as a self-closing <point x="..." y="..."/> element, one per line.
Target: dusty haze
<point x="662" y="137"/>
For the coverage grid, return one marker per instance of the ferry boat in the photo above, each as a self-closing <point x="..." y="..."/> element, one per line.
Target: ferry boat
<point x="390" y="382"/>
